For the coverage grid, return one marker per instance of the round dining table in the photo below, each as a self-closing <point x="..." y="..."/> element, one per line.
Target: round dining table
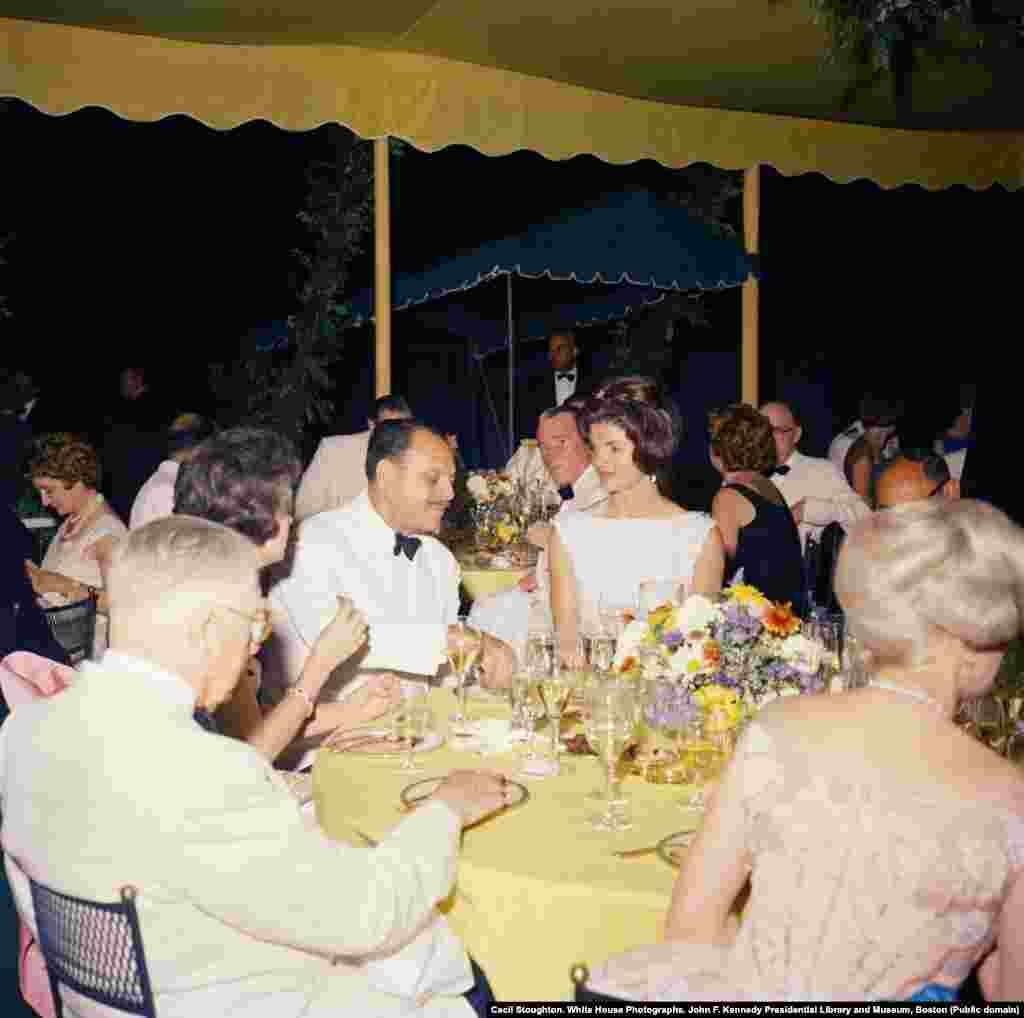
<point x="538" y="888"/>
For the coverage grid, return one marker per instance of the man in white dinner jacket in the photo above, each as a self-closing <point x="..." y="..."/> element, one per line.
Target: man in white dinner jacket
<point x="814" y="489"/>
<point x="337" y="472"/>
<point x="380" y="552"/>
<point x="566" y="459"/>
<point x="244" y="909"/>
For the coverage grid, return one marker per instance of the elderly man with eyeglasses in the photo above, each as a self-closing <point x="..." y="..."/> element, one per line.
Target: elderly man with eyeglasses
<point x="914" y="476"/>
<point x="814" y="489"/>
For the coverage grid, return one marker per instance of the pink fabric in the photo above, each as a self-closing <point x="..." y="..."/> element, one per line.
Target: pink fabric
<point x="24" y="678"/>
<point x="155" y="499"/>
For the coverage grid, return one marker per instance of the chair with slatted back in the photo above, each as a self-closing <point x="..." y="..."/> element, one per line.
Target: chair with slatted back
<point x="94" y="948"/>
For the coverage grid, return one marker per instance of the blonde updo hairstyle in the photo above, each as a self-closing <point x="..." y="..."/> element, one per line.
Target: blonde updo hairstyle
<point x="949" y="566"/>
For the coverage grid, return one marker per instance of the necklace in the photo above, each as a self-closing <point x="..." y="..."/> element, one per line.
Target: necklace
<point x="912" y="692"/>
<point x="76" y="521"/>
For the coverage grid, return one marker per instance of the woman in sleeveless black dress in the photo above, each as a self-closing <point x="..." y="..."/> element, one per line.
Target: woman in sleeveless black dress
<point x="758" y="530"/>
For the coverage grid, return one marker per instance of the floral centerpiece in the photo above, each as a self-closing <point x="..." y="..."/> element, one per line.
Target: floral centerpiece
<point x="737" y="640"/>
<point x="498" y="510"/>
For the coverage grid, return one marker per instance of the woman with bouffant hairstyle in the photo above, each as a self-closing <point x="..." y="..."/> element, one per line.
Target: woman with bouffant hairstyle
<point x="758" y="530"/>
<point x="636" y="534"/>
<point x="884" y="845"/>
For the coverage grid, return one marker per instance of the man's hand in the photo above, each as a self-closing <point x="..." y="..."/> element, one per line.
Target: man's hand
<point x="797" y="509"/>
<point x="528" y="584"/>
<point x="342" y="636"/>
<point x="472" y="795"/>
<point x="538" y="534"/>
<point x="497" y="663"/>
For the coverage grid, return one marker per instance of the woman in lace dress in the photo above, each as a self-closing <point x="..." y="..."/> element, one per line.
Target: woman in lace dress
<point x="66" y="472"/>
<point x="884" y="846"/>
<point x="636" y="534"/>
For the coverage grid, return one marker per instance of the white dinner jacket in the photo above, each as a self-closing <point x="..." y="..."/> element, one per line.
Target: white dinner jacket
<point x="243" y="908"/>
<point x="408" y="605"/>
<point x="827" y="497"/>
<point x="335" y="475"/>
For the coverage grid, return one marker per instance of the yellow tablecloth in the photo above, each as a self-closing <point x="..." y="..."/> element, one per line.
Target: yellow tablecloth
<point x="538" y="889"/>
<point x="485" y="582"/>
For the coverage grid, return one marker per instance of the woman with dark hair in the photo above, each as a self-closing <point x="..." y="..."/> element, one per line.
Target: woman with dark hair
<point x="636" y="534"/>
<point x="245" y="478"/>
<point x="757" y="528"/>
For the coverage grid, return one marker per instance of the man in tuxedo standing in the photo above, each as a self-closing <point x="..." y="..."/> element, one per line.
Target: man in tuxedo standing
<point x="563" y="377"/>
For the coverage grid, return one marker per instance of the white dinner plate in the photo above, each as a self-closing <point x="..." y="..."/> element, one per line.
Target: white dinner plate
<point x="673" y="848"/>
<point x="419" y="791"/>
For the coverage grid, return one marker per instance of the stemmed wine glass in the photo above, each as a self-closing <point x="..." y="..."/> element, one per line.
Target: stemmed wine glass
<point x="825" y="635"/>
<point x="412" y="720"/>
<point x="609" y="721"/>
<point x="464" y="643"/>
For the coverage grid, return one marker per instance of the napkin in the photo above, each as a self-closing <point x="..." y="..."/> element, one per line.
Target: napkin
<point x="490" y="737"/>
<point x="433" y="962"/>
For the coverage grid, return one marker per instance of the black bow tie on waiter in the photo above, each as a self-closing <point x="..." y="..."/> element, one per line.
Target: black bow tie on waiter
<point x="570" y="375"/>
<point x="407" y="545"/>
<point x="566" y="492"/>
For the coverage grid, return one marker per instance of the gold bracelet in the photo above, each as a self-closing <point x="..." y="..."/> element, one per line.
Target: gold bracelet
<point x="305" y="697"/>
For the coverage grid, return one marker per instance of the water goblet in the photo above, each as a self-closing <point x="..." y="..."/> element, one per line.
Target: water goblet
<point x="533" y="765"/>
<point x="539" y="657"/>
<point x="464" y="642"/>
<point x="609" y="720"/>
<point x="825" y="635"/>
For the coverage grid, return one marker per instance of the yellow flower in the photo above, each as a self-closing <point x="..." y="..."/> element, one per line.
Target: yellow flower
<point x="661" y="616"/>
<point x="506" y="532"/>
<point x="747" y="594"/>
<point x="722" y="707"/>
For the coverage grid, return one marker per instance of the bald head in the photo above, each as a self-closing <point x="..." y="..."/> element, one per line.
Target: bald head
<point x="907" y="480"/>
<point x="786" y="429"/>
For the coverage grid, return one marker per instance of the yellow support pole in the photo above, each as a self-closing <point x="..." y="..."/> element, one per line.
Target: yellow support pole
<point x="382" y="264"/>
<point x="750" y="356"/>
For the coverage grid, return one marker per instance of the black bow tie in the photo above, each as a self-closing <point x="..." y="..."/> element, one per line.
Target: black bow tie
<point x="206" y="720"/>
<point x="571" y="375"/>
<point x="566" y="492"/>
<point x="781" y="470"/>
<point x="408" y="545"/>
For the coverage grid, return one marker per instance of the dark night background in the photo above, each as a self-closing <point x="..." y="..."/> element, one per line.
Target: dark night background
<point x="166" y="242"/>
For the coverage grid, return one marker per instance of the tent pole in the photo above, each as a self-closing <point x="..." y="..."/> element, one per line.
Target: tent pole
<point x="382" y="264"/>
<point x="750" y="355"/>
<point x="511" y="370"/>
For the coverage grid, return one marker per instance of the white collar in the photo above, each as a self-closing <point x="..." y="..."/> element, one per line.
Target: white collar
<point x="795" y="458"/>
<point x="588" y="475"/>
<point x="378" y="527"/>
<point x="170" y="685"/>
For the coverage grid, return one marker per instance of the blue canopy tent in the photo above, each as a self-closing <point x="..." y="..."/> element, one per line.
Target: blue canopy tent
<point x="623" y="252"/>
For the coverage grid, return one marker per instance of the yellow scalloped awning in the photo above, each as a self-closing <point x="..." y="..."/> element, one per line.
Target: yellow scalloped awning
<point x="729" y="83"/>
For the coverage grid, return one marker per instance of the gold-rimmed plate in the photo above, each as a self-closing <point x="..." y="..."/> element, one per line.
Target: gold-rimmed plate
<point x="420" y="791"/>
<point x="673" y="849"/>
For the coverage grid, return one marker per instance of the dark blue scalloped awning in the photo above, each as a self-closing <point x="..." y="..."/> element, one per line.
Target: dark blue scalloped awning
<point x="627" y="251"/>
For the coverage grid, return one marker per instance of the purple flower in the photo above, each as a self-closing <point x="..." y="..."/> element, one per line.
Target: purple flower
<point x="672" y="707"/>
<point x="673" y="639"/>
<point x="740" y="625"/>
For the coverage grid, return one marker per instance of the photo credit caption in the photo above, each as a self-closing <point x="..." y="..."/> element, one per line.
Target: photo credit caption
<point x="740" y="1010"/>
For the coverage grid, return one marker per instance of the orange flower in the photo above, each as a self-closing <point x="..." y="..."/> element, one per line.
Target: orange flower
<point x="628" y="616"/>
<point x="712" y="653"/>
<point x="628" y="664"/>
<point x="779" y="620"/>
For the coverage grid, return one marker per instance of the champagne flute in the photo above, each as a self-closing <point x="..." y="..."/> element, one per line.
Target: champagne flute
<point x="610" y="722"/>
<point x="599" y="649"/>
<point x="412" y="722"/>
<point x="554" y="689"/>
<point x="464" y="642"/>
<point x="539" y="658"/>
<point x="533" y="711"/>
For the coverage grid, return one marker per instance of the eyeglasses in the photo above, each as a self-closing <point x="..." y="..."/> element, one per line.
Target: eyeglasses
<point x="259" y="624"/>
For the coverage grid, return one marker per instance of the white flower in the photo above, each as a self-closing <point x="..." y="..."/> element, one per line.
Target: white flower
<point x="476" y="484"/>
<point x="697" y="613"/>
<point x="688" y="659"/>
<point x="801" y="653"/>
<point x="629" y="641"/>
